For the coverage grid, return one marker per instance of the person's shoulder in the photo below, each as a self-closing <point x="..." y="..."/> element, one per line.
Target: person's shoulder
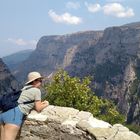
<point x="34" y="89"/>
<point x="31" y="88"/>
<point x="27" y="87"/>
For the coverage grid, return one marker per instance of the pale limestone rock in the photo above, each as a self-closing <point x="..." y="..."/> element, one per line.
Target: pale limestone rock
<point x="95" y="123"/>
<point x="83" y="115"/>
<point x="38" y="117"/>
<point x="102" y="133"/>
<point x="65" y="123"/>
<point x="70" y="121"/>
<point x="126" y="136"/>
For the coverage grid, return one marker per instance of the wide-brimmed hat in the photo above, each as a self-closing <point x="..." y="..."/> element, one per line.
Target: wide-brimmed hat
<point x="32" y="76"/>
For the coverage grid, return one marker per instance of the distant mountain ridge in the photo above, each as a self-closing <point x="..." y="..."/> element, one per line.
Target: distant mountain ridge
<point x="134" y="24"/>
<point x="13" y="60"/>
<point x="111" y="57"/>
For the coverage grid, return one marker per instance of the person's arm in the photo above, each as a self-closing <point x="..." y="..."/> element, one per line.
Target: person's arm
<point x="40" y="105"/>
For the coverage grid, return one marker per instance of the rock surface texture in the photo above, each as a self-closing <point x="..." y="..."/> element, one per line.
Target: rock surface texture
<point x="63" y="123"/>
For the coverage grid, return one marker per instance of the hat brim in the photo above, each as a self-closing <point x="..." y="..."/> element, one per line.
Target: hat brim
<point x="41" y="77"/>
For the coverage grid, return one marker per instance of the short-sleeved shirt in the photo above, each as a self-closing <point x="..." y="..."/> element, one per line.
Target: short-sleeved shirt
<point x="29" y="93"/>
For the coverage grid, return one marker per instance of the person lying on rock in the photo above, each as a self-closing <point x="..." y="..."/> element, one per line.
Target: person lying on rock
<point x="12" y="120"/>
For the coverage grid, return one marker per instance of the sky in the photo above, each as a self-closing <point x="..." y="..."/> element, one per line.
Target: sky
<point x="24" y="22"/>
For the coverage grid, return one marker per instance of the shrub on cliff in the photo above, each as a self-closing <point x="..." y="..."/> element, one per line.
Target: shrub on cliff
<point x="72" y="92"/>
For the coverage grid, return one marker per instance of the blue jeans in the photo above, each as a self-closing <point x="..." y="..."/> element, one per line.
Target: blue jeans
<point x="12" y="116"/>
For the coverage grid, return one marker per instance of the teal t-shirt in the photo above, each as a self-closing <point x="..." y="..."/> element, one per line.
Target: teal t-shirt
<point x="28" y="93"/>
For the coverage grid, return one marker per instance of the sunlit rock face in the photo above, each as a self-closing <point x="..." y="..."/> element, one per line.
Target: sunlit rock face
<point x="51" y="52"/>
<point x="65" y="123"/>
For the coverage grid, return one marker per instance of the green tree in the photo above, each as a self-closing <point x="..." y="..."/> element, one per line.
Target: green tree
<point x="68" y="91"/>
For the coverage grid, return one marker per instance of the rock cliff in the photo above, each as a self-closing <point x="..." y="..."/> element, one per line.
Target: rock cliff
<point x="64" y="123"/>
<point x="7" y="80"/>
<point x="51" y="50"/>
<point x="114" y="63"/>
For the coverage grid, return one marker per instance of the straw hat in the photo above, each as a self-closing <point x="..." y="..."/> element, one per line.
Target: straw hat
<point x="32" y="76"/>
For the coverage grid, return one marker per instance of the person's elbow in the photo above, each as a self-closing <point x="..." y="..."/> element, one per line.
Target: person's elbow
<point x="38" y="106"/>
<point x="38" y="109"/>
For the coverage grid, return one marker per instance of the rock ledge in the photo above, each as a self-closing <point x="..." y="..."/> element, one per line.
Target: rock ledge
<point x="63" y="123"/>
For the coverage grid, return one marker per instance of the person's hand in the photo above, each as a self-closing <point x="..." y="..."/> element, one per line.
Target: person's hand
<point x="46" y="103"/>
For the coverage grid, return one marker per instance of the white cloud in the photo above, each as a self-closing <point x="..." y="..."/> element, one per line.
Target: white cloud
<point x="111" y="9"/>
<point x="72" y="5"/>
<point x="64" y="18"/>
<point x="21" y="42"/>
<point x="116" y="9"/>
<point x="115" y="0"/>
<point x="93" y="7"/>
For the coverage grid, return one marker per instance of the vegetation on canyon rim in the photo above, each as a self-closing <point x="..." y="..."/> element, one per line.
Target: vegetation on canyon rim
<point x="68" y="91"/>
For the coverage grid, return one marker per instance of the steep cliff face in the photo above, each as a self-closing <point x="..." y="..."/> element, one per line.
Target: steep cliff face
<point x="114" y="63"/>
<point x="7" y="81"/>
<point x="50" y="52"/>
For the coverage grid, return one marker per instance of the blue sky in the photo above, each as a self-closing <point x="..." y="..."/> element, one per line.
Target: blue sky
<point x="24" y="22"/>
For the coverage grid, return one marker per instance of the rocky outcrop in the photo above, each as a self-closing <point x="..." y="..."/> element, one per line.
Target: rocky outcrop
<point x="65" y="123"/>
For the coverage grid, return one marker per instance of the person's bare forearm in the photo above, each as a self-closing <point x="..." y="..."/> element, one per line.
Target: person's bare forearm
<point x="41" y="106"/>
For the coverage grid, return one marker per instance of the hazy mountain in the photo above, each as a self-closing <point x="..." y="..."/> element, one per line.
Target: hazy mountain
<point x="13" y="60"/>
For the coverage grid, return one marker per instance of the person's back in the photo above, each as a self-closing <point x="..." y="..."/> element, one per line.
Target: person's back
<point x="29" y="93"/>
